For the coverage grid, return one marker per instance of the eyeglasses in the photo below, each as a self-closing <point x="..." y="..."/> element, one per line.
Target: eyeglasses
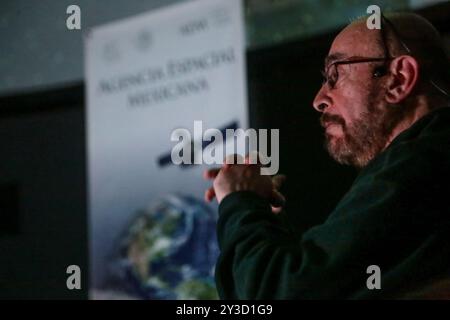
<point x="331" y="74"/>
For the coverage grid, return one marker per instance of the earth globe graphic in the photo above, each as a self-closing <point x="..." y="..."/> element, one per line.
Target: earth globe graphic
<point x="169" y="250"/>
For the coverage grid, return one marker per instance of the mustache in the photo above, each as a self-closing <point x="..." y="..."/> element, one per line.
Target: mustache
<point x="326" y="119"/>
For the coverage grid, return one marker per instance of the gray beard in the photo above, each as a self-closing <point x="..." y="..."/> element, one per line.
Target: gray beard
<point x="365" y="139"/>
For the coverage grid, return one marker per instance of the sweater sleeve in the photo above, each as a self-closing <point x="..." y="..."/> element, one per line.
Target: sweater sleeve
<point x="250" y="237"/>
<point x="383" y="220"/>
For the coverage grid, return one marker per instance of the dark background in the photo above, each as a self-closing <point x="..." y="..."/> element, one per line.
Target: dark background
<point x="43" y="197"/>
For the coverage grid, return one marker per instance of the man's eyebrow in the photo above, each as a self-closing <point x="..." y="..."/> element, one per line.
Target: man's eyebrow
<point x="334" y="57"/>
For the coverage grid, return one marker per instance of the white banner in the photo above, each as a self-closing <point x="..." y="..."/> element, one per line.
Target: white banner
<point x="151" y="234"/>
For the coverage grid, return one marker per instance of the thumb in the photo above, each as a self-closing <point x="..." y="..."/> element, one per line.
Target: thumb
<point x="277" y="199"/>
<point x="276" y="210"/>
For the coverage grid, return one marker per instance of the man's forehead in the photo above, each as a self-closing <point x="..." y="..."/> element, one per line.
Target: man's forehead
<point x="354" y="40"/>
<point x="332" y="57"/>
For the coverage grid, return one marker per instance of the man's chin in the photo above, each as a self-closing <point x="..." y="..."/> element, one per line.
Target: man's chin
<point x="334" y="140"/>
<point x="338" y="150"/>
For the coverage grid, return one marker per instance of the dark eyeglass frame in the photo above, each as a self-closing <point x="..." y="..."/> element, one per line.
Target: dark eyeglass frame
<point x="332" y="82"/>
<point x="351" y="60"/>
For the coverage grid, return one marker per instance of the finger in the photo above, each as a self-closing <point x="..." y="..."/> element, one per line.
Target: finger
<point x="211" y="173"/>
<point x="234" y="159"/>
<point x="253" y="157"/>
<point x="277" y="199"/>
<point x="276" y="210"/>
<point x="209" y="194"/>
<point x="278" y="180"/>
<point x="228" y="161"/>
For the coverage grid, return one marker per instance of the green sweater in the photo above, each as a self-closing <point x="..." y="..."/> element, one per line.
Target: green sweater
<point x="396" y="215"/>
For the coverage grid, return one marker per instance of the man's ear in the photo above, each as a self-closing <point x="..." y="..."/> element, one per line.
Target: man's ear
<point x="404" y="71"/>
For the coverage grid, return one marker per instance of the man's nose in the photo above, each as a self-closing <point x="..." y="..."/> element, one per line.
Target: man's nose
<point x="321" y="101"/>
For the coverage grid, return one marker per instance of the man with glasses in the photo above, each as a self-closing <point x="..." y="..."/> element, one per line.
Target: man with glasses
<point x="384" y="108"/>
<point x="391" y="87"/>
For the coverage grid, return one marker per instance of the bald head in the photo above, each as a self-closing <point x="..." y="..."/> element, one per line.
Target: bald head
<point x="405" y="33"/>
<point x="356" y="40"/>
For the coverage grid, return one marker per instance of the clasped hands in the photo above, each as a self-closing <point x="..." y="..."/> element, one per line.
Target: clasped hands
<point x="244" y="177"/>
